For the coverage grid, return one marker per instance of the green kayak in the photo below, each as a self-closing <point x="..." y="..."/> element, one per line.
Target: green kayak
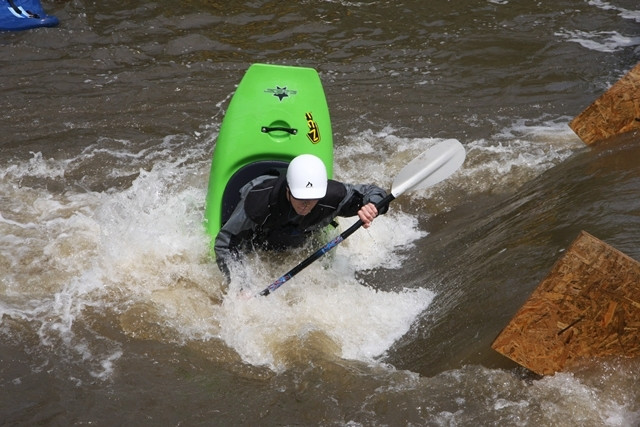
<point x="277" y="113"/>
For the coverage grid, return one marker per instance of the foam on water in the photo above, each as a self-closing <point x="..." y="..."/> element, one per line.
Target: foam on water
<point x="601" y="41"/>
<point x="67" y="252"/>
<point x="361" y="322"/>
<point x="517" y="154"/>
<point x="144" y="245"/>
<point x="553" y="400"/>
<point x="606" y="41"/>
<point x="383" y="244"/>
<point x="623" y="12"/>
<point x="514" y="155"/>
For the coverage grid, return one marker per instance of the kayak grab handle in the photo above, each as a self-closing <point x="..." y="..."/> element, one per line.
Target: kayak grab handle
<point x="266" y="129"/>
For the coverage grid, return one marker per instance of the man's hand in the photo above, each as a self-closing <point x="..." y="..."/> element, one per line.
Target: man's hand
<point x="367" y="213"/>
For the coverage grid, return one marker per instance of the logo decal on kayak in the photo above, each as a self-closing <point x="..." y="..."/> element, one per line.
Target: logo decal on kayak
<point x="314" y="132"/>
<point x="281" y="92"/>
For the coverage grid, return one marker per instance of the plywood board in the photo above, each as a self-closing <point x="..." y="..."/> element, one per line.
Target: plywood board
<point x="616" y="112"/>
<point x="587" y="307"/>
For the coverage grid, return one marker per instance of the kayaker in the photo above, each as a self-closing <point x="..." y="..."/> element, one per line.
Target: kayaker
<point x="280" y="212"/>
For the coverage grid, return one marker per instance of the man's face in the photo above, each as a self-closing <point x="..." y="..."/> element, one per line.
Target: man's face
<point x="302" y="207"/>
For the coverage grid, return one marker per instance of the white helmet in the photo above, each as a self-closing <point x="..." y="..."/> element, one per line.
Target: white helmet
<point x="307" y="177"/>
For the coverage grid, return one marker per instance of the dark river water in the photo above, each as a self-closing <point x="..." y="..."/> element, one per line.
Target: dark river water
<point x="112" y="311"/>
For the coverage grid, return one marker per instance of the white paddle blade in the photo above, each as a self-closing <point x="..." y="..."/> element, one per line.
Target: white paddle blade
<point x="429" y="168"/>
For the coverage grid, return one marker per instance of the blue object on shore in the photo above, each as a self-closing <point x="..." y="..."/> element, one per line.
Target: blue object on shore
<point x="18" y="15"/>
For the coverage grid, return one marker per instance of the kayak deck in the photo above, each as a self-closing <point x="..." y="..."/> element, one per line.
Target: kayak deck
<point x="277" y="113"/>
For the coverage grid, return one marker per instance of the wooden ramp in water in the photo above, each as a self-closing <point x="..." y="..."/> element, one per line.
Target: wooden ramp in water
<point x="615" y="113"/>
<point x="587" y="307"/>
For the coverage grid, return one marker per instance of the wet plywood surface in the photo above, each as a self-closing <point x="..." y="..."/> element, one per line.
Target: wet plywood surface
<point x="587" y="307"/>
<point x="616" y="112"/>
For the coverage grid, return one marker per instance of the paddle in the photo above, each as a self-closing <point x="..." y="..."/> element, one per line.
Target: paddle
<point x="429" y="168"/>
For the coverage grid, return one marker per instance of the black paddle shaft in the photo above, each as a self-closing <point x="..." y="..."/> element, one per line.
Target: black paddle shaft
<point x="323" y="250"/>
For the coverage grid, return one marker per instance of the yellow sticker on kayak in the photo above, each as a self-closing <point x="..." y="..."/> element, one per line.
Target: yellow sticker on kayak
<point x="314" y="132"/>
